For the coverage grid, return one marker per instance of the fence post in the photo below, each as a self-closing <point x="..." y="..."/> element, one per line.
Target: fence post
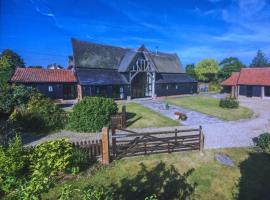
<point x="113" y="142"/>
<point x="105" y="146"/>
<point x="201" y="141"/>
<point x="123" y="116"/>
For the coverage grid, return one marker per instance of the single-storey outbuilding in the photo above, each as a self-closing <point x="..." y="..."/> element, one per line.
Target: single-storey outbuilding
<point x="54" y="83"/>
<point x="249" y="82"/>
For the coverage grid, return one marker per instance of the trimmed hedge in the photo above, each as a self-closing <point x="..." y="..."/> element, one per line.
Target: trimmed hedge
<point x="92" y="113"/>
<point x="229" y="102"/>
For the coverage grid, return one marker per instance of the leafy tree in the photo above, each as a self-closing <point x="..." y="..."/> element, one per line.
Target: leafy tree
<point x="13" y="58"/>
<point x="14" y="96"/>
<point x="207" y="70"/>
<point x="190" y="70"/>
<point x="5" y="71"/>
<point x="54" y="66"/>
<point x="259" y="60"/>
<point x="228" y="66"/>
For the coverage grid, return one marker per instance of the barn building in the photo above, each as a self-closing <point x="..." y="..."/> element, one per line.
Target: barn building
<point x="122" y="72"/>
<point x="249" y="82"/>
<point x="110" y="71"/>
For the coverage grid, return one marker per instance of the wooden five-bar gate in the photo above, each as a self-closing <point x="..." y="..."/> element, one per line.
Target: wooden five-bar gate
<point x="125" y="143"/>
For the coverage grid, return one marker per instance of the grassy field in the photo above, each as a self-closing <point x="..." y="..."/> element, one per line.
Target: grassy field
<point x="210" y="106"/>
<point x="163" y="174"/>
<point x="141" y="117"/>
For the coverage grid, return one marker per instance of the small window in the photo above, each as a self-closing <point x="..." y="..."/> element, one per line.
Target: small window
<point x="176" y="86"/>
<point x="121" y="89"/>
<point x="167" y="87"/>
<point x="50" y="88"/>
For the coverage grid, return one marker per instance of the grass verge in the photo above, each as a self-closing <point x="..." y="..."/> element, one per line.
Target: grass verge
<point x="210" y="106"/>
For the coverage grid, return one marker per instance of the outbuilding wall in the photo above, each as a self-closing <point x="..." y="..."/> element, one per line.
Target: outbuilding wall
<point x="175" y="89"/>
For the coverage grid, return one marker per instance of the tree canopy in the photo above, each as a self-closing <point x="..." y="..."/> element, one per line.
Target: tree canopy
<point x="207" y="70"/>
<point x="5" y="71"/>
<point x="190" y="70"/>
<point x="259" y="60"/>
<point x="13" y="58"/>
<point x="230" y="65"/>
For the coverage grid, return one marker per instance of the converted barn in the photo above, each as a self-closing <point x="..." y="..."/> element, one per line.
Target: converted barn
<point x="249" y="82"/>
<point x="104" y="70"/>
<point x="110" y="71"/>
<point x="53" y="83"/>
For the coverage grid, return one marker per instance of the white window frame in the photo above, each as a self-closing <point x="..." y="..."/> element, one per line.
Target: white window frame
<point x="50" y="88"/>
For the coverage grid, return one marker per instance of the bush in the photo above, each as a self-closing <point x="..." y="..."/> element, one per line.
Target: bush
<point x="15" y="96"/>
<point x="264" y="142"/>
<point x="79" y="160"/>
<point x="40" y="114"/>
<point x="13" y="165"/>
<point x="7" y="131"/>
<point x="214" y="87"/>
<point x="92" y="113"/>
<point x="47" y="160"/>
<point x="229" y="102"/>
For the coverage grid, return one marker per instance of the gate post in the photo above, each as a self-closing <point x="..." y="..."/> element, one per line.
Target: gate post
<point x="201" y="141"/>
<point x="105" y="146"/>
<point x="123" y="116"/>
<point x="113" y="142"/>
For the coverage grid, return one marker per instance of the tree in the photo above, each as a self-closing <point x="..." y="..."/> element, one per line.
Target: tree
<point x="207" y="70"/>
<point x="259" y="60"/>
<point x="228" y="66"/>
<point x="190" y="70"/>
<point x="5" y="71"/>
<point x="13" y="58"/>
<point x="54" y="66"/>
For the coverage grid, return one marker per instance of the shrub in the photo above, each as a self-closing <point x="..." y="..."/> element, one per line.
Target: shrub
<point x="13" y="164"/>
<point x="92" y="113"/>
<point x="97" y="193"/>
<point x="41" y="114"/>
<point x="214" y="87"/>
<point x="47" y="161"/>
<point x="79" y="160"/>
<point x="7" y="131"/>
<point x="264" y="142"/>
<point x="229" y="102"/>
<point x="15" y="96"/>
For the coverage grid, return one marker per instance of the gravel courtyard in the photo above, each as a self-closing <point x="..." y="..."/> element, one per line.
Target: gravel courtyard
<point x="218" y="134"/>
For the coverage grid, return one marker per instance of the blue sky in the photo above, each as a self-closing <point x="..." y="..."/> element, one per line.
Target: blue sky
<point x="40" y="30"/>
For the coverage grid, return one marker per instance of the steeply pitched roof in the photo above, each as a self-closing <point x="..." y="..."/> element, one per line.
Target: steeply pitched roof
<point x="166" y="63"/>
<point x="174" y="78"/>
<point x="250" y="76"/>
<point x="100" y="77"/>
<point x="91" y="55"/>
<point x="35" y="75"/>
<point x="232" y="80"/>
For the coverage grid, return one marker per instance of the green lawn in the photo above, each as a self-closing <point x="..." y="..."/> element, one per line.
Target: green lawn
<point x="138" y="177"/>
<point x="141" y="117"/>
<point x="210" y="106"/>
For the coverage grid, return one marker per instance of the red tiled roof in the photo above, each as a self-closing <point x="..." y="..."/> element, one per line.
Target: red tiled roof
<point x="35" y="75"/>
<point x="255" y="76"/>
<point x="249" y="76"/>
<point x="232" y="80"/>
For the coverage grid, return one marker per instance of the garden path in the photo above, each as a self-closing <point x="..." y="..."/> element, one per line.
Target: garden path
<point x="194" y="118"/>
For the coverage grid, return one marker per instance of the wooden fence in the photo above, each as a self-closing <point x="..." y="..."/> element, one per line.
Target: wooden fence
<point x="92" y="147"/>
<point x="119" y="120"/>
<point x="131" y="143"/>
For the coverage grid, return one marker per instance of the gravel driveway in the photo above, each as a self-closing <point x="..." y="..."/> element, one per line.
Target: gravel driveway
<point x="217" y="135"/>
